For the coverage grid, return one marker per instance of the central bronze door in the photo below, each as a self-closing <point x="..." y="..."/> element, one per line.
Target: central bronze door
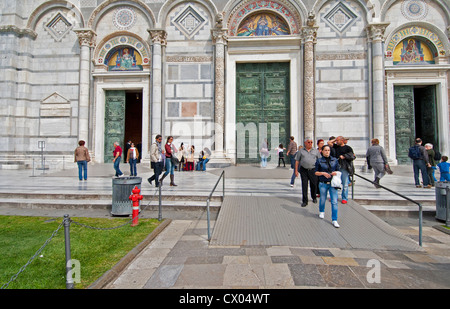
<point x="262" y="108"/>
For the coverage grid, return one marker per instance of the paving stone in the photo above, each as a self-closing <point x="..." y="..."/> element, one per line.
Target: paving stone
<point x="306" y="275"/>
<point x="339" y="276"/>
<point x="340" y="261"/>
<point x="197" y="275"/>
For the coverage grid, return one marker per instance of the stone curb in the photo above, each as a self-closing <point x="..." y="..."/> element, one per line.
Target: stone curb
<point x="442" y="229"/>
<point x="115" y="271"/>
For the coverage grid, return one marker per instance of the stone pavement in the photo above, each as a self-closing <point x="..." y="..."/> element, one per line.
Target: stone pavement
<point x="181" y="257"/>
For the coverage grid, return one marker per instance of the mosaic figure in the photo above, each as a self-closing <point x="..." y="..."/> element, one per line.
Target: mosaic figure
<point x="263" y="24"/>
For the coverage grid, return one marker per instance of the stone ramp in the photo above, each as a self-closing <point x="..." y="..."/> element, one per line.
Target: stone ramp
<point x="276" y="221"/>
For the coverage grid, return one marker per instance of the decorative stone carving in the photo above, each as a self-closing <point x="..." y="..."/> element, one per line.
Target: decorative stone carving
<point x="158" y="36"/>
<point x="375" y="31"/>
<point x="86" y="37"/>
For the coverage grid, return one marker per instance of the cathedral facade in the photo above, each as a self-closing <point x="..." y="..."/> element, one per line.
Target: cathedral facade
<point x="222" y="74"/>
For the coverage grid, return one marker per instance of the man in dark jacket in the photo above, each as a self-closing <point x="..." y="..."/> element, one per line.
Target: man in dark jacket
<point x="419" y="156"/>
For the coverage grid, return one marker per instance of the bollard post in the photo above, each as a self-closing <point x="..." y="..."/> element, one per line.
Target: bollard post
<point x="69" y="280"/>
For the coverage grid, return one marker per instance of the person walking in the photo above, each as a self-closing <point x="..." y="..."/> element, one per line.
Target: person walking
<point x="280" y="150"/>
<point x="157" y="160"/>
<point x="264" y="152"/>
<point x="117" y="154"/>
<point x="306" y="159"/>
<point x="431" y="162"/>
<point x="132" y="157"/>
<point x="376" y="158"/>
<point x="291" y="151"/>
<point x="345" y="156"/>
<point x="325" y="168"/>
<point x="169" y="165"/>
<point x="82" y="158"/>
<point x="419" y="156"/>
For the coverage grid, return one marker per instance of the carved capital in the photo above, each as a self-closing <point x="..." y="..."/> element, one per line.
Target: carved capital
<point x="219" y="36"/>
<point x="158" y="36"/>
<point x="375" y="31"/>
<point x="309" y="34"/>
<point x="86" y="37"/>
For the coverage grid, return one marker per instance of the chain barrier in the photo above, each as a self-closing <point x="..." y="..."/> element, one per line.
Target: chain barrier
<point x="79" y="224"/>
<point x="32" y="258"/>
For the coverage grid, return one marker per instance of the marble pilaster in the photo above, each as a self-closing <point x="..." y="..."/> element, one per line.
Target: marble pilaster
<point x="159" y="40"/>
<point x="219" y="39"/>
<point x="86" y="38"/>
<point x="309" y="39"/>
<point x="375" y="33"/>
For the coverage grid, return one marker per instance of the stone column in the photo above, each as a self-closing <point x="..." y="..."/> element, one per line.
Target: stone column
<point x="309" y="39"/>
<point x="219" y="37"/>
<point x="375" y="33"/>
<point x="86" y="38"/>
<point x="159" y="39"/>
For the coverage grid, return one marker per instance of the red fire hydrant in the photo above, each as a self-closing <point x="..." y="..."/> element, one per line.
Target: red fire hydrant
<point x="135" y="197"/>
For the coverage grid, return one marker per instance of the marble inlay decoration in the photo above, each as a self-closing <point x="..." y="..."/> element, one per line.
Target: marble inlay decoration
<point x="340" y="17"/>
<point x="414" y="9"/>
<point x="124" y="18"/>
<point x="189" y="21"/>
<point x="58" y="27"/>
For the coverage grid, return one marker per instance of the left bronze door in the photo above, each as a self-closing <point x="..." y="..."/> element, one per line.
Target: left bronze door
<point x="114" y="121"/>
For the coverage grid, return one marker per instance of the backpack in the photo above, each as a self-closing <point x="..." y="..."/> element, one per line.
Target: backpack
<point x="437" y="155"/>
<point x="414" y="153"/>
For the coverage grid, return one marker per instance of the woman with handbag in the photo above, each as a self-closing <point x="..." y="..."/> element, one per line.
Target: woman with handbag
<point x="327" y="167"/>
<point x="376" y="159"/>
<point x="171" y="162"/>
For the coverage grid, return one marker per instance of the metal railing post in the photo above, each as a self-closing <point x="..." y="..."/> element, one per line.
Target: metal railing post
<point x="69" y="280"/>
<point x="159" y="203"/>
<point x="208" y="219"/>
<point x="406" y="198"/>
<point x="222" y="176"/>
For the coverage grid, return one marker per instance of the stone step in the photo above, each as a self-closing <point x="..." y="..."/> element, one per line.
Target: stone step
<point x="83" y="196"/>
<point x="396" y="210"/>
<point x="103" y="204"/>
<point x="395" y="202"/>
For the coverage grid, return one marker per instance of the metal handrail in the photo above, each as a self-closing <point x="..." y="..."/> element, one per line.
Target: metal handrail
<point x="398" y="194"/>
<point x="222" y="175"/>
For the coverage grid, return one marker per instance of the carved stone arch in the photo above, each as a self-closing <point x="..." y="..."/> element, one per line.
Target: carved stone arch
<point x="237" y="11"/>
<point x="169" y="5"/>
<point x="109" y="4"/>
<point x="102" y="49"/>
<point x="418" y="29"/>
<point x="49" y="5"/>
<point x="368" y="7"/>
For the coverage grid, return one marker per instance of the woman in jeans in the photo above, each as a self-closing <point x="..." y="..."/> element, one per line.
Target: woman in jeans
<point x="132" y="157"/>
<point x="82" y="158"/>
<point x="326" y="168"/>
<point x="169" y="166"/>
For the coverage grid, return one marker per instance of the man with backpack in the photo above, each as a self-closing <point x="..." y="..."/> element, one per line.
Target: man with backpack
<point x="419" y="156"/>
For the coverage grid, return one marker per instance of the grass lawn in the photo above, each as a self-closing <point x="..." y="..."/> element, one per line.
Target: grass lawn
<point x="96" y="250"/>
